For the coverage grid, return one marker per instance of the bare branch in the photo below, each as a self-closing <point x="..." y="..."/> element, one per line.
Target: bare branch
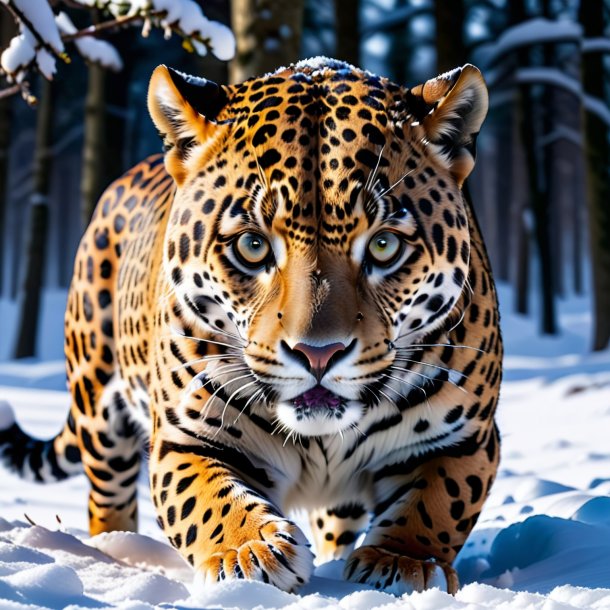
<point x="10" y="91"/>
<point x="94" y="30"/>
<point x="23" y="88"/>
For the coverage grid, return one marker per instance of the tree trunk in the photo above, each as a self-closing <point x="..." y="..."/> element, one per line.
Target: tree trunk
<point x="93" y="178"/>
<point x="268" y="35"/>
<point x="451" y="49"/>
<point x="347" y="31"/>
<point x="537" y="183"/>
<point x="522" y="271"/>
<point x="543" y="224"/>
<point x="7" y="31"/>
<point x="504" y="192"/>
<point x="397" y="52"/>
<point x="29" y="310"/>
<point x="594" y="21"/>
<point x="577" y="246"/>
<point x="550" y="152"/>
<point x="540" y="204"/>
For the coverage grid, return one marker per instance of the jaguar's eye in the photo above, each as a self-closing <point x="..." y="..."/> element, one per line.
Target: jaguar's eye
<point x="385" y="248"/>
<point x="252" y="249"/>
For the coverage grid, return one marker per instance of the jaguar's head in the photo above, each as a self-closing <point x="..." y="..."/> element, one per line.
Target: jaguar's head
<point x="318" y="227"/>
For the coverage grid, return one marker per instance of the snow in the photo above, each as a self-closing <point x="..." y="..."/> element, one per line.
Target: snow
<point x="19" y="54"/>
<point x="183" y="16"/>
<point x="92" y="49"/>
<point x="7" y="417"/>
<point x="595" y="45"/>
<point x="25" y="47"/>
<point x="188" y="17"/>
<point x="532" y="32"/>
<point x="40" y="16"/>
<point x="557" y="78"/>
<point x="542" y="541"/>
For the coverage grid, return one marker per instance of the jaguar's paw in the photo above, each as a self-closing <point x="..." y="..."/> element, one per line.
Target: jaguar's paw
<point x="281" y="557"/>
<point x="399" y="574"/>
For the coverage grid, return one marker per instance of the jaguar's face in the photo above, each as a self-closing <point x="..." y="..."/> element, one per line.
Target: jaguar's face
<point x="318" y="229"/>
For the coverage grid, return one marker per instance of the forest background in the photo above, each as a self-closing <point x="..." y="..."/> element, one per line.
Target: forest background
<point x="541" y="186"/>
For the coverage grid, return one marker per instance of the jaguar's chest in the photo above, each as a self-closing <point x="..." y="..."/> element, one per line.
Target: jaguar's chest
<point x="309" y="472"/>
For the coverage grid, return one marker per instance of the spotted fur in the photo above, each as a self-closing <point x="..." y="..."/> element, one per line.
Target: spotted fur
<point x="321" y="379"/>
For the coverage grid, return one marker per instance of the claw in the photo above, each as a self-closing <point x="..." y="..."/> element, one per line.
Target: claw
<point x="399" y="574"/>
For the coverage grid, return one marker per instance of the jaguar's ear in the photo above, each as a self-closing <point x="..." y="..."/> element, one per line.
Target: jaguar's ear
<point x="451" y="109"/>
<point x="184" y="109"/>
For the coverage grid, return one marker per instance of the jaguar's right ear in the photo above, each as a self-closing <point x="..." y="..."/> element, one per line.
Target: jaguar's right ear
<point x="184" y="109"/>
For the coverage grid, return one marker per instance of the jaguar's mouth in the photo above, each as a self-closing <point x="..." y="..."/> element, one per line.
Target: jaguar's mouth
<point x="317" y="398"/>
<point x="318" y="412"/>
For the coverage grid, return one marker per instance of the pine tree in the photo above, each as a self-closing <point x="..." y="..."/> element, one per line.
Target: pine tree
<point x="594" y="19"/>
<point x="347" y="30"/>
<point x="538" y="191"/>
<point x="38" y="228"/>
<point x="268" y="35"/>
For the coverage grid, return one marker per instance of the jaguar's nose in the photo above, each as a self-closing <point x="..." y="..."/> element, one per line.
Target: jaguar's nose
<point x="319" y="357"/>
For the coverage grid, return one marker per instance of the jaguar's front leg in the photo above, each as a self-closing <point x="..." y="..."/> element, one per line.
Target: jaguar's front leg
<point x="424" y="513"/>
<point x="225" y="528"/>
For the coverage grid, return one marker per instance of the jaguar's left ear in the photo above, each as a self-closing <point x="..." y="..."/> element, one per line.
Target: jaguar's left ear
<point x="451" y="109"/>
<point x="184" y="109"/>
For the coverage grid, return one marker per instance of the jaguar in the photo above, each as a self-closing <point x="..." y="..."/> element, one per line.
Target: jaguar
<point x="291" y="308"/>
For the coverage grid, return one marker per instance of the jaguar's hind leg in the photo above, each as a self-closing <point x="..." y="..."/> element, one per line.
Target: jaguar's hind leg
<point x="336" y="530"/>
<point x="110" y="449"/>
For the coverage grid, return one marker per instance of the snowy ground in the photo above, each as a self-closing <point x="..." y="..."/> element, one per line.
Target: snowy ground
<point x="543" y="540"/>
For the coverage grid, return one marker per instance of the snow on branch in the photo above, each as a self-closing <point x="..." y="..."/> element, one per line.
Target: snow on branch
<point x="595" y="45"/>
<point x="184" y="17"/>
<point x="96" y="51"/>
<point x="556" y="78"/>
<point x="532" y="32"/>
<point x="42" y="34"/>
<point x="395" y="18"/>
<point x="38" y="42"/>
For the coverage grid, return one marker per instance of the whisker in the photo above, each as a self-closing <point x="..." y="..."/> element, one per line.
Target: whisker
<point x="177" y="332"/>
<point x="279" y="427"/>
<point x="215" y="372"/>
<point x="390" y="400"/>
<point x="205" y="359"/>
<point x="373" y="174"/>
<point x="216" y="330"/>
<point x="375" y="397"/>
<point x="225" y="369"/>
<point x="426" y="400"/>
<point x="461" y="319"/>
<point x="468" y="286"/>
<point x="404" y="370"/>
<point x="416" y="346"/>
<point x="224" y="385"/>
<point x="266" y="398"/>
<point x="390" y="188"/>
<point x="434" y="366"/>
<point x="406" y="382"/>
<point x="224" y="409"/>
<point x="357" y="429"/>
<point x="258" y="392"/>
<point x="287" y="438"/>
